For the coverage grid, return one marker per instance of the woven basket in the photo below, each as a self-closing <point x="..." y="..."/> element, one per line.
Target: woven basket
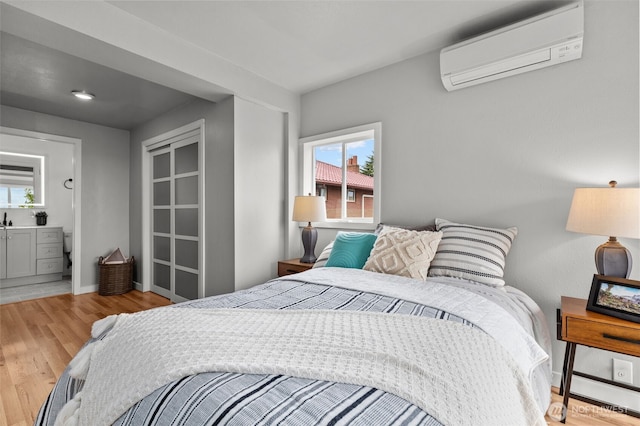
<point x="115" y="278"/>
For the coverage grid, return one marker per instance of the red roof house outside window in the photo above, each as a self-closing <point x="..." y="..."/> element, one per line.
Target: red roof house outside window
<point x="329" y="184"/>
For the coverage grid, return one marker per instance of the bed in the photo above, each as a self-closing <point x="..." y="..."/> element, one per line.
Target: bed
<point x="332" y="345"/>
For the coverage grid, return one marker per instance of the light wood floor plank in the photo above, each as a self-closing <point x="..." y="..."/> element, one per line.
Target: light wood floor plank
<point x="38" y="339"/>
<point x="8" y="396"/>
<point x="582" y="414"/>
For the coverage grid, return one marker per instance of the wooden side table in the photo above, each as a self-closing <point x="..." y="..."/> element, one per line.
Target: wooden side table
<point x="292" y="266"/>
<point x="577" y="326"/>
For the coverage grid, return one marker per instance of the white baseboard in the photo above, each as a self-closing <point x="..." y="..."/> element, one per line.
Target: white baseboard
<point x="94" y="288"/>
<point x="87" y="289"/>
<point x="601" y="391"/>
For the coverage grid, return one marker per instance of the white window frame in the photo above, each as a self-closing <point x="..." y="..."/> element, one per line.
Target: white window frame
<point x="352" y="134"/>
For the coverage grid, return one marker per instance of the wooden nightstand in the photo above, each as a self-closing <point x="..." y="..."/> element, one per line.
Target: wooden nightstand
<point x="292" y="266"/>
<point x="577" y="326"/>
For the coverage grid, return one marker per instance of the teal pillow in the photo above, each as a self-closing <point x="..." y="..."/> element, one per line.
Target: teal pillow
<point x="351" y="250"/>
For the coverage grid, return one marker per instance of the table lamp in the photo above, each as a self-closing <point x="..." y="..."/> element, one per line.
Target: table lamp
<point x="612" y="212"/>
<point x="309" y="209"/>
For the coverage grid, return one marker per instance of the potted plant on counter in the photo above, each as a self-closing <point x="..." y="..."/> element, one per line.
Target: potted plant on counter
<point x="41" y="218"/>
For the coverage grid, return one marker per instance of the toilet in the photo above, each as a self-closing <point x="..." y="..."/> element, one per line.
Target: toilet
<point x="67" y="245"/>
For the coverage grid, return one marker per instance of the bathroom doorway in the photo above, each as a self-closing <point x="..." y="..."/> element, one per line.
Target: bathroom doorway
<point x="61" y="189"/>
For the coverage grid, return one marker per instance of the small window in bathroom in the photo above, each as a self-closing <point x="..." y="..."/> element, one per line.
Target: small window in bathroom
<point x="21" y="180"/>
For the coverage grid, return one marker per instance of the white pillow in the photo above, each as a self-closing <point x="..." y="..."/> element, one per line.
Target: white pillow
<point x="472" y="252"/>
<point x="403" y="252"/>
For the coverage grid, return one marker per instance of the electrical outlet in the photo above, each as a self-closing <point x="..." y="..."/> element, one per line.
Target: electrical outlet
<point x="622" y="371"/>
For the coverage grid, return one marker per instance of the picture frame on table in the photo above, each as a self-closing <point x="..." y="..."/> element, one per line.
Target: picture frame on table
<point x="616" y="297"/>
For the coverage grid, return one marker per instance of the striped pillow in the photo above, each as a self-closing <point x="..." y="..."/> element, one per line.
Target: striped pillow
<point x="431" y="227"/>
<point x="471" y="252"/>
<point x="324" y="256"/>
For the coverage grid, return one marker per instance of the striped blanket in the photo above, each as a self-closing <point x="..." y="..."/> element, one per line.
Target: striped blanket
<point x="231" y="398"/>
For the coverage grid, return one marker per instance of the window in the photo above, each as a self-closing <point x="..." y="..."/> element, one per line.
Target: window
<point x="321" y="191"/>
<point x="344" y="167"/>
<point x="21" y="180"/>
<point x="11" y="195"/>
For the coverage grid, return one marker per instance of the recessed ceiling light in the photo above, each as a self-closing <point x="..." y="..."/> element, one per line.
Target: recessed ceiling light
<point x="81" y="94"/>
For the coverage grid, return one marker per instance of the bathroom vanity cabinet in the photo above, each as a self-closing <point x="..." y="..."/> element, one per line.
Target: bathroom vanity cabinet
<point x="19" y="247"/>
<point x="30" y="255"/>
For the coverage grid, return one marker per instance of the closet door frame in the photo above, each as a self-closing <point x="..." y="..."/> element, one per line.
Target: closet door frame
<point x="150" y="145"/>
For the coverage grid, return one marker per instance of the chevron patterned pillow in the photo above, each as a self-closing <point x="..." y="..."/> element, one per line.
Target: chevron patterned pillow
<point x="403" y="252"/>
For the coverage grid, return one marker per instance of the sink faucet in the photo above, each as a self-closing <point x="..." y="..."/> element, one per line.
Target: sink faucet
<point x="4" y="221"/>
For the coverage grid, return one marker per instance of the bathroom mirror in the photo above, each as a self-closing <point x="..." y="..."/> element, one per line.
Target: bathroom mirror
<point x="21" y="180"/>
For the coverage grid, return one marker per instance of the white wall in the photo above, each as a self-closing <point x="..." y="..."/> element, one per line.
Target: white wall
<point x="220" y="238"/>
<point x="259" y="193"/>
<point x="509" y="152"/>
<point x="105" y="184"/>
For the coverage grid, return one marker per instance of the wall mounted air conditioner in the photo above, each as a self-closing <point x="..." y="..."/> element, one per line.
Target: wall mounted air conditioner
<point x="544" y="40"/>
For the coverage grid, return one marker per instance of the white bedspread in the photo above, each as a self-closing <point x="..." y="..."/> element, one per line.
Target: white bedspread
<point x="409" y="356"/>
<point x="507" y="314"/>
<point x="477" y="309"/>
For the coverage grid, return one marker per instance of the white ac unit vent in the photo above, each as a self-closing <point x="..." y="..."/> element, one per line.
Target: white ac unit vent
<point x="544" y="40"/>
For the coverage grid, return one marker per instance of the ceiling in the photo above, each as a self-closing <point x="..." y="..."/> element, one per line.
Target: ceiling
<point x="38" y="78"/>
<point x="298" y="45"/>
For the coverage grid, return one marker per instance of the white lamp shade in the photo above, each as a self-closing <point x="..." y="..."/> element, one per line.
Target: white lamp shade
<point x="309" y="209"/>
<point x="612" y="212"/>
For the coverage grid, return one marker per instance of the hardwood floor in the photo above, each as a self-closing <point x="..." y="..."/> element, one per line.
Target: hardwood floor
<point x="39" y="337"/>
<point x="582" y="414"/>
